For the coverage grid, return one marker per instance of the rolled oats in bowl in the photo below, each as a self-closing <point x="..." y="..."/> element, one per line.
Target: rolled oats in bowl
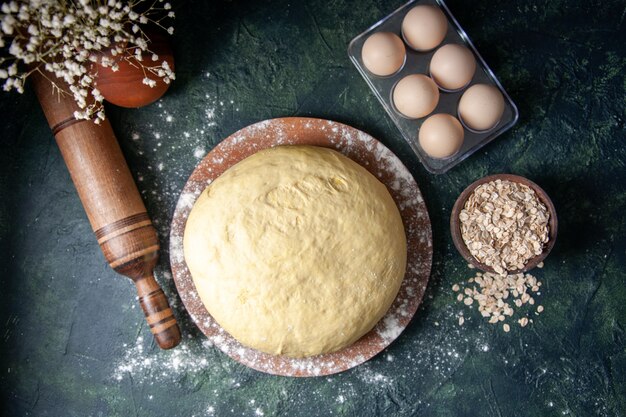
<point x="504" y="224"/>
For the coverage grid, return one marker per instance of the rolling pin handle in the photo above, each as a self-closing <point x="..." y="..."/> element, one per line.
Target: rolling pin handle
<point x="158" y="313"/>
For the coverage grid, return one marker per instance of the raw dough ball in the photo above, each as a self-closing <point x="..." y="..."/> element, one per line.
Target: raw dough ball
<point x="415" y="96"/>
<point x="441" y="135"/>
<point x="481" y="107"/>
<point x="452" y="66"/>
<point x="424" y="27"/>
<point x="296" y="250"/>
<point x="383" y="53"/>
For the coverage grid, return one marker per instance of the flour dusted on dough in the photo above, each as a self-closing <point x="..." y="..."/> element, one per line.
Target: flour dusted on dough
<point x="296" y="250"/>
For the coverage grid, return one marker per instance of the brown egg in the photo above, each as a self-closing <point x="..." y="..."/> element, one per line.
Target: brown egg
<point x="481" y="107"/>
<point x="441" y="135"/>
<point x="415" y="96"/>
<point x="452" y="66"/>
<point x="125" y="87"/>
<point x="424" y="27"/>
<point x="383" y="53"/>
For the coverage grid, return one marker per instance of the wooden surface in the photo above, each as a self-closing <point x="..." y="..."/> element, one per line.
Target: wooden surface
<point x="455" y="224"/>
<point x="381" y="163"/>
<point x="113" y="205"/>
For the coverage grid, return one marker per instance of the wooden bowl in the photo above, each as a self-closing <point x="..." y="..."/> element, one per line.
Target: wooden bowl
<point x="373" y="156"/>
<point x="125" y="87"/>
<point x="455" y="225"/>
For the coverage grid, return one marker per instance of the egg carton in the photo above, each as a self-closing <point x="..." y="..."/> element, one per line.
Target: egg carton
<point x="418" y="63"/>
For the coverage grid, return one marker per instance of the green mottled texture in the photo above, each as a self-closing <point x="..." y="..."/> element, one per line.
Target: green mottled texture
<point x="65" y="317"/>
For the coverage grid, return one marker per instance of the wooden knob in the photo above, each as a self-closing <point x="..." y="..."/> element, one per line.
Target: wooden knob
<point x="158" y="313"/>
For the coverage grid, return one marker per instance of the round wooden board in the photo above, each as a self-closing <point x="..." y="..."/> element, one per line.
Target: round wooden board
<point x="378" y="160"/>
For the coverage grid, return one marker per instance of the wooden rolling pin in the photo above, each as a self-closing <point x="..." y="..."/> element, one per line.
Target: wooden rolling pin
<point x="114" y="207"/>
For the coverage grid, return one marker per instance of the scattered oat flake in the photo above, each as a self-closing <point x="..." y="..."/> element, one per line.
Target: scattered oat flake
<point x="498" y="295"/>
<point x="461" y="321"/>
<point x="506" y="327"/>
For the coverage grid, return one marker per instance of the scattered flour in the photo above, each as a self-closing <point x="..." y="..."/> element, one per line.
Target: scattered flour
<point x="161" y="364"/>
<point x="199" y="152"/>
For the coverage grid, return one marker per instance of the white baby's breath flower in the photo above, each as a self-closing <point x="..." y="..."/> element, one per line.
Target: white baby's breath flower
<point x="141" y="43"/>
<point x="8" y="24"/>
<point x="66" y="38"/>
<point x="106" y="62"/>
<point x="68" y="20"/>
<point x="19" y="85"/>
<point x="23" y="15"/>
<point x="8" y="84"/>
<point x="149" y="82"/>
<point x="97" y="95"/>
<point x="33" y="30"/>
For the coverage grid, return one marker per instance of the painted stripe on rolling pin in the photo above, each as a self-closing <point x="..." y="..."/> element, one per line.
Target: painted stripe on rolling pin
<point x="150" y="294"/>
<point x="127" y="229"/>
<point x="134" y="255"/>
<point x="162" y="327"/>
<point x="161" y="304"/>
<point x="135" y="219"/>
<point x="165" y="320"/>
<point x="65" y="123"/>
<point x="157" y="317"/>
